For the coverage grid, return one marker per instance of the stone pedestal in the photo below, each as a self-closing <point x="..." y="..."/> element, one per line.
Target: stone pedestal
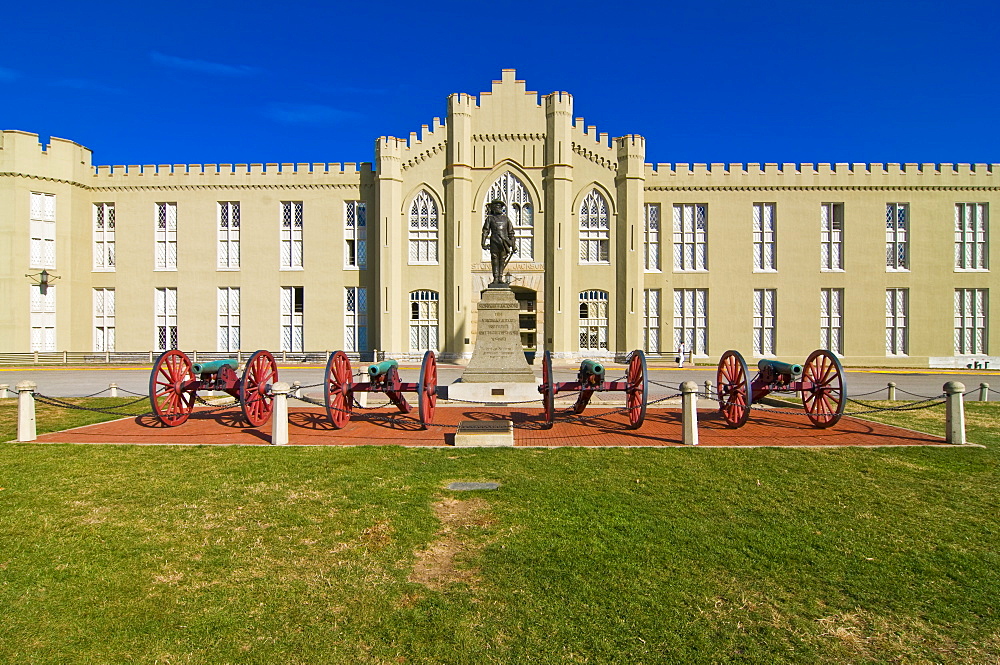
<point x="498" y="356"/>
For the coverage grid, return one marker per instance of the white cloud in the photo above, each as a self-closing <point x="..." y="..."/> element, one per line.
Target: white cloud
<point x="201" y="66"/>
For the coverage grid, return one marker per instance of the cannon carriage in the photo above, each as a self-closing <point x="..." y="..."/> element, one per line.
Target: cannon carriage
<point x="591" y="379"/>
<point x="339" y="387"/>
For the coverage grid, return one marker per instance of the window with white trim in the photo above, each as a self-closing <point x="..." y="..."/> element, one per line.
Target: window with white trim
<point x="764" y="254"/>
<point x="691" y="320"/>
<point x="356" y="319"/>
<point x="971" y="240"/>
<point x="43" y="230"/>
<point x="831" y="320"/>
<point x="165" y="322"/>
<point x="423" y="229"/>
<point x="831" y="236"/>
<point x="690" y="237"/>
<point x="43" y="318"/>
<point x="509" y="189"/>
<point x="897" y="305"/>
<point x="228" y="318"/>
<point x="594" y="321"/>
<point x="104" y="319"/>
<point x="292" y="311"/>
<point x="897" y="237"/>
<point x="104" y="237"/>
<point x="764" y="322"/>
<point x="651" y="238"/>
<point x="971" y="332"/>
<point x="651" y="320"/>
<point x="423" y="321"/>
<point x="355" y="234"/>
<point x="229" y="236"/>
<point x="595" y="229"/>
<point x="166" y="237"/>
<point x="291" y="235"/>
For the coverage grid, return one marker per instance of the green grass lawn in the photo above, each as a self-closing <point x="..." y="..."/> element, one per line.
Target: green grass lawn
<point x="120" y="554"/>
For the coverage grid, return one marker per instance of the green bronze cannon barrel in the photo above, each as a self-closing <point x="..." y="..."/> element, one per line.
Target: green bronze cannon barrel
<point x="381" y="369"/>
<point x="214" y="366"/>
<point x="591" y="368"/>
<point x="778" y="367"/>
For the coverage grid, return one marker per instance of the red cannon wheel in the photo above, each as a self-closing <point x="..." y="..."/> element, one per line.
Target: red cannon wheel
<point x="732" y="389"/>
<point x="256" y="398"/>
<point x="824" y="402"/>
<point x="548" y="390"/>
<point x="337" y="389"/>
<point x="637" y="392"/>
<point x="171" y="402"/>
<point x="427" y="389"/>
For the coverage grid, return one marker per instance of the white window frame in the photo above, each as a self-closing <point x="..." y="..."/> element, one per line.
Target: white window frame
<point x="165" y="319"/>
<point x="42" y="319"/>
<point x="290" y="229"/>
<point x="228" y="217"/>
<point x="104" y="237"/>
<point x="423" y="225"/>
<point x="165" y="236"/>
<point x="971" y="321"/>
<point x="690" y="237"/>
<point x="651" y="238"/>
<point x="42" y="252"/>
<point x="292" y="318"/>
<point x="509" y="189"/>
<point x="897" y="237"/>
<point x="355" y="235"/>
<point x="972" y="237"/>
<point x="595" y="229"/>
<point x="831" y="320"/>
<point x="651" y="320"/>
<point x="228" y="318"/>
<point x="104" y="319"/>
<point x="594" y="326"/>
<point x="831" y="237"/>
<point x="765" y="249"/>
<point x="691" y="320"/>
<point x="355" y="319"/>
<point x="897" y="312"/>
<point x="424" y="312"/>
<point x="765" y="329"/>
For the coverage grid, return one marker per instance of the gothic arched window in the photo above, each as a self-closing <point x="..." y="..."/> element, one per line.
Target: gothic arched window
<point x="509" y="189"/>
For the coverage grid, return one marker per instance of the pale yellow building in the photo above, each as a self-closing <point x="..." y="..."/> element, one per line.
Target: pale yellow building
<point x="885" y="264"/>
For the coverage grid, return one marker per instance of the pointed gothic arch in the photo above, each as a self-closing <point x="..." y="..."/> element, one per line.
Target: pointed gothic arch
<point x="510" y="189"/>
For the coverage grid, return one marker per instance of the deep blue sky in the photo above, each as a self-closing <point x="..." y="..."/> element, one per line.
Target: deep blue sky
<point x="710" y="81"/>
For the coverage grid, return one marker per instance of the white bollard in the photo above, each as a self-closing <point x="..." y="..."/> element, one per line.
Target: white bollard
<point x="3" y="391"/>
<point x="114" y="389"/>
<point x="279" y="417"/>
<point x="689" y="413"/>
<point x="892" y="391"/>
<point x="954" y="413"/>
<point x="26" y="430"/>
<point x="708" y="390"/>
<point x="296" y="390"/>
<point x="984" y="392"/>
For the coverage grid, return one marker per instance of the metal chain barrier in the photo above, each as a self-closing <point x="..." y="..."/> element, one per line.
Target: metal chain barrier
<point x="56" y="402"/>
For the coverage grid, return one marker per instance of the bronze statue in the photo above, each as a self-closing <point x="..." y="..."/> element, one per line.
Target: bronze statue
<point x="498" y="237"/>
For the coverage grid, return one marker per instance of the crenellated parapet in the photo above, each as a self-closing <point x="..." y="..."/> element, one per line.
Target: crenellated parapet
<point x="594" y="146"/>
<point x="180" y="176"/>
<point x="23" y="154"/>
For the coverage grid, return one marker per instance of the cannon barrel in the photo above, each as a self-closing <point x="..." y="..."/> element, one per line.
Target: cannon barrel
<point x="381" y="369"/>
<point x="589" y="368"/>
<point x="778" y="367"/>
<point x="214" y="366"/>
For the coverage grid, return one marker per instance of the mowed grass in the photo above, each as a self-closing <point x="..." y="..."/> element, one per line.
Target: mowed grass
<point x="122" y="554"/>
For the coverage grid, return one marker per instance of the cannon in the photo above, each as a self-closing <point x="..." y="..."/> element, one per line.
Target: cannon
<point x="820" y="381"/>
<point x="174" y="384"/>
<point x="591" y="379"/>
<point x="383" y="377"/>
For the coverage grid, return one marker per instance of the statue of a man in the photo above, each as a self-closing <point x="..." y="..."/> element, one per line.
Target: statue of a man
<point x="498" y="237"/>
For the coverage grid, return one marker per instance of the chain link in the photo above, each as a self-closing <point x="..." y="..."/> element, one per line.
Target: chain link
<point x="56" y="402"/>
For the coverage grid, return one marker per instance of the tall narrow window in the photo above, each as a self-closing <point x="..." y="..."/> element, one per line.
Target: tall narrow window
<point x="355" y="234"/>
<point x="690" y="236"/>
<point x="166" y="237"/>
<point x="764" y="321"/>
<point x="594" y="321"/>
<point x="971" y="330"/>
<point x="166" y="319"/>
<point x="691" y="320"/>
<point x="651" y="238"/>
<point x="595" y="229"/>
<point x="292" y="310"/>
<point x="104" y="237"/>
<point x="831" y="320"/>
<point x="971" y="221"/>
<point x="897" y="237"/>
<point x="228" y="299"/>
<point x="104" y="319"/>
<point x="764" y="259"/>
<point x="356" y="319"/>
<point x="229" y="236"/>
<point x="423" y="321"/>
<point x="423" y="229"/>
<point x="509" y="189"/>
<point x="291" y="235"/>
<point x="897" y="307"/>
<point x="43" y="318"/>
<point x="831" y="236"/>
<point x="651" y="320"/>
<point x="43" y="230"/>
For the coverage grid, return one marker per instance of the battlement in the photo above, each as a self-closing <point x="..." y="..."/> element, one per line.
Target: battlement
<point x="796" y="173"/>
<point x="271" y="169"/>
<point x="59" y="158"/>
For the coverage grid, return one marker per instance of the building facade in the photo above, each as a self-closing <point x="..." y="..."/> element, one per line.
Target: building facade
<point x="884" y="264"/>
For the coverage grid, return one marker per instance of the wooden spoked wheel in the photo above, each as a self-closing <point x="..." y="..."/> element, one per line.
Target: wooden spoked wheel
<point x="337" y="389"/>
<point x="637" y="391"/>
<point x="732" y="386"/>
<point x="171" y="403"/>
<point x="548" y="390"/>
<point x="825" y="400"/>
<point x="256" y="398"/>
<point x="427" y="389"/>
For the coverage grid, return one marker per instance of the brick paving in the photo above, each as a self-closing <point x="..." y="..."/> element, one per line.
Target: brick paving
<point x="310" y="426"/>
